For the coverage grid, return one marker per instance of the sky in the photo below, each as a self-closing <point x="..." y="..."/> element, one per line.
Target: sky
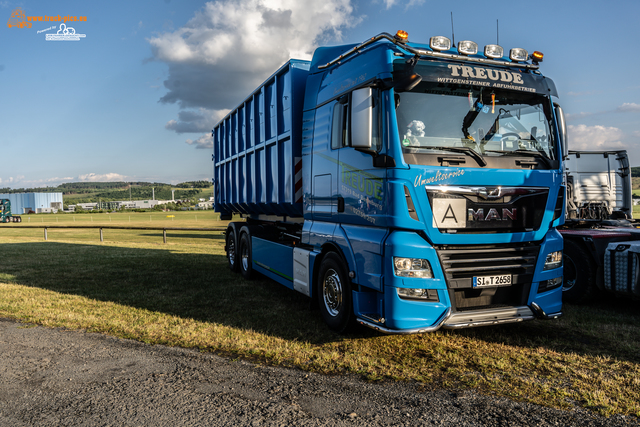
<point x="135" y="97"/>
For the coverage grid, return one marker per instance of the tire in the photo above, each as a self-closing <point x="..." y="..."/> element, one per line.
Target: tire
<point x="245" y="260"/>
<point x="579" y="275"/>
<point x="334" y="294"/>
<point x="232" y="253"/>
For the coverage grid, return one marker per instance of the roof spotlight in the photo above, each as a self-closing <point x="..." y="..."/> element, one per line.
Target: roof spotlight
<point x="439" y="43"/>
<point x="493" y="51"/>
<point x="518" y="55"/>
<point x="467" y="47"/>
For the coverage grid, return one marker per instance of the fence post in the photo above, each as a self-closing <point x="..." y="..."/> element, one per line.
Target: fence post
<point x="101" y="239"/>
<point x="164" y="235"/>
<point x="45" y="233"/>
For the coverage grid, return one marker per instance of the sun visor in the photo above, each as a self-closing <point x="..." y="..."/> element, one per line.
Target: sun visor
<point x="486" y="76"/>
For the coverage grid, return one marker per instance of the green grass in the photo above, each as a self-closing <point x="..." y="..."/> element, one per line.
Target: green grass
<point x="182" y="294"/>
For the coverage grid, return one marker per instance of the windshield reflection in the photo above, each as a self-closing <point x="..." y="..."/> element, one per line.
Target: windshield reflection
<point x="437" y="117"/>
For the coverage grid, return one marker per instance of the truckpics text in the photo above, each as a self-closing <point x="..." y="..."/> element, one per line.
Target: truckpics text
<point x="408" y="187"/>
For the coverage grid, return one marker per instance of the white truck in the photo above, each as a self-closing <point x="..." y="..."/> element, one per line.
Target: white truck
<point x="601" y="238"/>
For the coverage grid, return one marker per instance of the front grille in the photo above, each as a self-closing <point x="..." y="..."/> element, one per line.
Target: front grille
<point x="462" y="263"/>
<point x="487" y="209"/>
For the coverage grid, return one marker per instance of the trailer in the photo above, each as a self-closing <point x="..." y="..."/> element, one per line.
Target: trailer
<point x="403" y="186"/>
<point x="600" y="234"/>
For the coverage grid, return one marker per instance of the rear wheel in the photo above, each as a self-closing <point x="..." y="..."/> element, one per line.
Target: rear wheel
<point x="334" y="293"/>
<point x="579" y="274"/>
<point x="244" y="250"/>
<point x="232" y="253"/>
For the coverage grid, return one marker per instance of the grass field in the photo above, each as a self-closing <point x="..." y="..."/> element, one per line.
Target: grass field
<point x="182" y="294"/>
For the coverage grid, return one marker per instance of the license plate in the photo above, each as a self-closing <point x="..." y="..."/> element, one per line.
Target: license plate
<point x="488" y="281"/>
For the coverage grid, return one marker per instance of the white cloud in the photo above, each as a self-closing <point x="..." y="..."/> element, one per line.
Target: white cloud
<point x="205" y="142"/>
<point x="407" y="4"/>
<point x="107" y="177"/>
<point x="583" y="137"/>
<point x="229" y="47"/>
<point x="628" y="107"/>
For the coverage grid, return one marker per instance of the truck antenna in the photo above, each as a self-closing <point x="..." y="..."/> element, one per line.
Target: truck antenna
<point x="453" y="36"/>
<point x="497" y="32"/>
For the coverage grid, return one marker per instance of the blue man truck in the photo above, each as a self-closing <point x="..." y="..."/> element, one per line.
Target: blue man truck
<point x="407" y="187"/>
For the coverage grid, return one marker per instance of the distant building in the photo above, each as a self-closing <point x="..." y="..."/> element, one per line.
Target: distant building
<point x="24" y="203"/>
<point x="134" y="204"/>
<point x="205" y="205"/>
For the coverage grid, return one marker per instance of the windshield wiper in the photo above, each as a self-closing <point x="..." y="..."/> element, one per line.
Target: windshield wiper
<point x="529" y="153"/>
<point x="467" y="150"/>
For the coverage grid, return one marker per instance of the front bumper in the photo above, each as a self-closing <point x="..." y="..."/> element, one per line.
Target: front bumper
<point x="472" y="319"/>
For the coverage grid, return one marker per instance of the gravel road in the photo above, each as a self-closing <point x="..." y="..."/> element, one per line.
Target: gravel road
<point x="54" y="377"/>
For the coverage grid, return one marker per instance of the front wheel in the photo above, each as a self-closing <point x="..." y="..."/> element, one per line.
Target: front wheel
<point x="579" y="274"/>
<point x="334" y="294"/>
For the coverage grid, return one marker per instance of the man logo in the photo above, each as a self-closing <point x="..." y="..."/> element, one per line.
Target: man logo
<point x="492" y="215"/>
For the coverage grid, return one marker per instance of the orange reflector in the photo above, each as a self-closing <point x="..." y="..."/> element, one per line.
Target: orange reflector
<point x="537" y="56"/>
<point x="403" y="36"/>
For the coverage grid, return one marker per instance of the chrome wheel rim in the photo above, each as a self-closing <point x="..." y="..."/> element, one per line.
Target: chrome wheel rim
<point x="231" y="252"/>
<point x="245" y="258"/>
<point x="332" y="292"/>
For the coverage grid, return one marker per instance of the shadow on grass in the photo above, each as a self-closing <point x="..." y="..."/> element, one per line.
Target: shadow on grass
<point x="187" y="285"/>
<point x="201" y="287"/>
<point x="608" y="327"/>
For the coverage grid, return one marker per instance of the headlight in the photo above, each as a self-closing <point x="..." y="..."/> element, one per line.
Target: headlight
<point x="554" y="260"/>
<point x="412" y="267"/>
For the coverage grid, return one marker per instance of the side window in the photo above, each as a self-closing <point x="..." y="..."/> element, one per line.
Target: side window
<point x="340" y="130"/>
<point x="340" y="125"/>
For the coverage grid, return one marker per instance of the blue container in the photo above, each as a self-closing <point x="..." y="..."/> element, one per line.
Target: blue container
<point x="258" y="149"/>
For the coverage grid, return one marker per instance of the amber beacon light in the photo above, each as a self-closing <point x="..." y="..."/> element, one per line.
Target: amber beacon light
<point x="402" y="36"/>
<point x="537" y="57"/>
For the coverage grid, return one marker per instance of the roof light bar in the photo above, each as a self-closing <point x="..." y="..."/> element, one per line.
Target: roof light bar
<point x="493" y="51"/>
<point x="424" y="53"/>
<point x="467" y="47"/>
<point x="439" y="43"/>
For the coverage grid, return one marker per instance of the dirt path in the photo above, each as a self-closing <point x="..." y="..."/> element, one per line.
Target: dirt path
<point x="53" y="377"/>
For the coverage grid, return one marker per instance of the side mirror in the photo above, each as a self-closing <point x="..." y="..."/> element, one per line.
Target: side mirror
<point x="361" y="118"/>
<point x="562" y="130"/>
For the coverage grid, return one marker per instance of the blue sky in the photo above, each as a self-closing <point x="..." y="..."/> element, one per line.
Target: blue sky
<point x="136" y="98"/>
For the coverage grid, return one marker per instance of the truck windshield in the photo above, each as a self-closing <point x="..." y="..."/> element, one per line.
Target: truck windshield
<point x="479" y="121"/>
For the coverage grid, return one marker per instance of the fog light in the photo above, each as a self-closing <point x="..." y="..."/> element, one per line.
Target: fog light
<point x="554" y="260"/>
<point x="547" y="285"/>
<point x="418" y="294"/>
